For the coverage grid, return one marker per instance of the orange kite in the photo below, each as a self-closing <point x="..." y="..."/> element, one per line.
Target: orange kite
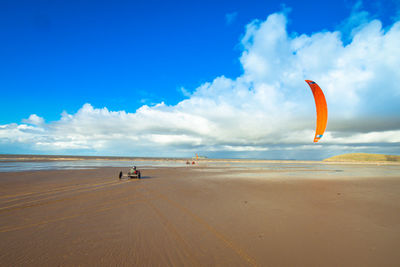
<point x="322" y="110"/>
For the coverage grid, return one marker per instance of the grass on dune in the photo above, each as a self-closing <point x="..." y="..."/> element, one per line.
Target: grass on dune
<point x="356" y="157"/>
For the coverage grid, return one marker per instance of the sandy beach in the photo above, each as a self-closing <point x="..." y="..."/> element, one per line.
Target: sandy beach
<point x="201" y="216"/>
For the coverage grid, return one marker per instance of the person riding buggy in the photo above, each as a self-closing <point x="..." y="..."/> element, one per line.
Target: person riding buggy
<point x="133" y="173"/>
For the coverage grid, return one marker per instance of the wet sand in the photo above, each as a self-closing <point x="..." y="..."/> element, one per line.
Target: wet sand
<point x="199" y="216"/>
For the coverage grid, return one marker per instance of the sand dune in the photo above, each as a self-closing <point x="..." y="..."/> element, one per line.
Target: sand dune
<point x="364" y="157"/>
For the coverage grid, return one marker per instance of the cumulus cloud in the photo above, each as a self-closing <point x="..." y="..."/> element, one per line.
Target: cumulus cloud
<point x="268" y="111"/>
<point x="34" y="119"/>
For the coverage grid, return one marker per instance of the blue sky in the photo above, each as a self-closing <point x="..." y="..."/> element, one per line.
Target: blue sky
<point x="63" y="59"/>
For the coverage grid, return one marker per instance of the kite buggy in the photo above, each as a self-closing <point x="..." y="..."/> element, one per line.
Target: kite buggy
<point x="133" y="173"/>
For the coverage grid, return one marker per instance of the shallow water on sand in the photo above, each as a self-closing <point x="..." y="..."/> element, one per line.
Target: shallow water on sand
<point x="81" y="164"/>
<point x="236" y="169"/>
<point x="318" y="170"/>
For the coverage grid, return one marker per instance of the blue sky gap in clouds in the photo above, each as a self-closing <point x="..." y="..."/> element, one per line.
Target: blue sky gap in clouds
<point x="226" y="79"/>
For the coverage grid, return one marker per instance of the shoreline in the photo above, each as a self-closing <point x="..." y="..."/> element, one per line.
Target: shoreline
<point x="50" y="158"/>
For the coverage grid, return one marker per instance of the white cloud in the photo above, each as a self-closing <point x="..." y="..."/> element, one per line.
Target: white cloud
<point x="268" y="108"/>
<point x="185" y="92"/>
<point x="365" y="138"/>
<point x="34" y="119"/>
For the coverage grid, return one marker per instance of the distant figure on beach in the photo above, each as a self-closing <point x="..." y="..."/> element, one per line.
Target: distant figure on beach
<point x="193" y="162"/>
<point x="187" y="162"/>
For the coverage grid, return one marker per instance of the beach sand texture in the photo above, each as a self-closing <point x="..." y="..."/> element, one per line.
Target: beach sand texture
<point x="200" y="216"/>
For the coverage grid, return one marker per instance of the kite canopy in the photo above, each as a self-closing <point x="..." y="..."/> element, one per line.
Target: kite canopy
<point x="322" y="110"/>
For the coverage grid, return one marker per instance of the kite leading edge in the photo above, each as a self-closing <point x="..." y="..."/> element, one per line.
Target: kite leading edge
<point x="322" y="110"/>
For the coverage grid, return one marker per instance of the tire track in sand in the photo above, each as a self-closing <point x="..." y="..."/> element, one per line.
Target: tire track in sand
<point x="171" y="229"/>
<point x="102" y="208"/>
<point x="58" y="198"/>
<point x="228" y="243"/>
<point x="16" y="197"/>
